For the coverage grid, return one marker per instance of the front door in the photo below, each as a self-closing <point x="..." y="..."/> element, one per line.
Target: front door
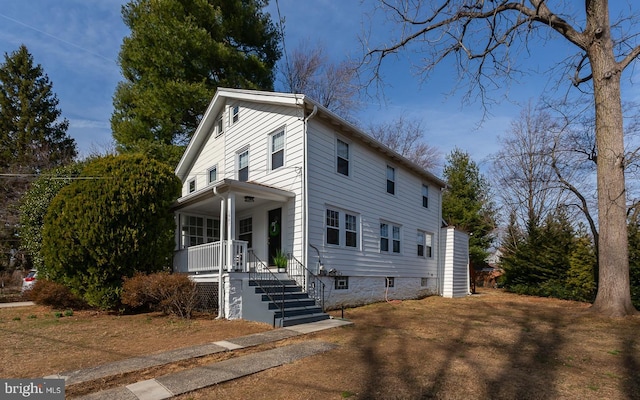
<point x="275" y="234"/>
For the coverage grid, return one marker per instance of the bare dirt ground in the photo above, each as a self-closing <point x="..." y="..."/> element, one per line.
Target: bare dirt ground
<point x="493" y="345"/>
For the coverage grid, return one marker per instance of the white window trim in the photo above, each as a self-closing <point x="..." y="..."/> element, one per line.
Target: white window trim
<point x="342" y="228"/>
<point x="395" y="180"/>
<point x="349" y="159"/>
<point x="271" y="152"/>
<point x="238" y="154"/>
<point x="422" y="196"/>
<point x="209" y="181"/>
<point x="234" y="115"/>
<point x="219" y="124"/>
<point x="425" y="234"/>
<point x="390" y="238"/>
<point x="189" y="182"/>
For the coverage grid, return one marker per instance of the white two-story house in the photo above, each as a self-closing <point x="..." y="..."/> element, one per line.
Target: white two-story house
<point x="275" y="172"/>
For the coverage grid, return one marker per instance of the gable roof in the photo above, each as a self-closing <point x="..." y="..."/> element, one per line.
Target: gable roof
<point x="292" y="100"/>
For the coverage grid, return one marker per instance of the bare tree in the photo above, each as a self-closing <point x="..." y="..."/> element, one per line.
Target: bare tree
<point x="484" y="37"/>
<point x="406" y="137"/>
<point x="308" y="70"/>
<point x="523" y="169"/>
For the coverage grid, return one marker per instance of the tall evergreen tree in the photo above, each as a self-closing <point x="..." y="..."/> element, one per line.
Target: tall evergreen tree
<point x="33" y="135"/>
<point x="466" y="204"/>
<point x="178" y="53"/>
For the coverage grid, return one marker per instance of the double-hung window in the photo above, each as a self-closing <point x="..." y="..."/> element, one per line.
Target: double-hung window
<point x="212" y="174"/>
<point x="243" y="166"/>
<point x="220" y="125"/>
<point x="342" y="228"/>
<point x="391" y="180"/>
<point x="235" y="114"/>
<point x="390" y="238"/>
<point x="425" y="241"/>
<point x="277" y="149"/>
<point x="425" y="196"/>
<point x="342" y="162"/>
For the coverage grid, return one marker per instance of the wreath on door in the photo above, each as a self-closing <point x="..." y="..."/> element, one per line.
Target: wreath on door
<point x="274" y="229"/>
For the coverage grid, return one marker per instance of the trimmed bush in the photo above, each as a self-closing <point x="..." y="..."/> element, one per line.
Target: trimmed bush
<point x="52" y="294"/>
<point x="172" y="294"/>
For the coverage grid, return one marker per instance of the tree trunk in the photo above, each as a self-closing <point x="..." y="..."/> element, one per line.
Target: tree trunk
<point x="614" y="296"/>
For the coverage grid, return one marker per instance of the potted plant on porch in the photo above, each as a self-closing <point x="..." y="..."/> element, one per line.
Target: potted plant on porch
<point x="280" y="260"/>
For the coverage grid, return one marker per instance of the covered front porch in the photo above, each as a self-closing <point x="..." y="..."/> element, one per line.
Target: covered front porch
<point x="231" y="226"/>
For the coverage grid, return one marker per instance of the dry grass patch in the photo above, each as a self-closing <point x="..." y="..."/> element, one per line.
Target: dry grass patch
<point x="489" y="346"/>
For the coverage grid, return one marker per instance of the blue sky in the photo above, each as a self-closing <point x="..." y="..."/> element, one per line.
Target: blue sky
<point x="77" y="43"/>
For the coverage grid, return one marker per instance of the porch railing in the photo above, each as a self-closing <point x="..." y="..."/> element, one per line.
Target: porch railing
<point x="307" y="280"/>
<point x="206" y="257"/>
<point x="270" y="284"/>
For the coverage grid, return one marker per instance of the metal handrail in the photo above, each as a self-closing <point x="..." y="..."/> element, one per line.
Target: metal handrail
<point x="260" y="272"/>
<point x="314" y="287"/>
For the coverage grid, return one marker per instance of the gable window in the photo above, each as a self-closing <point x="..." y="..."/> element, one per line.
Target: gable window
<point x="235" y="115"/>
<point x="219" y="125"/>
<point x="342" y="234"/>
<point x="425" y="244"/>
<point x="245" y="231"/>
<point x="391" y="180"/>
<point x="342" y="157"/>
<point x="277" y="150"/>
<point x="341" y="283"/>
<point x="212" y="174"/>
<point x="333" y="227"/>
<point x="192" y="185"/>
<point x="425" y="196"/>
<point x="389" y="238"/>
<point x="243" y="166"/>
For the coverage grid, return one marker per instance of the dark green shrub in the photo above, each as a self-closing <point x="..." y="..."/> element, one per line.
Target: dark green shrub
<point x="110" y="225"/>
<point x="173" y="294"/>
<point x="54" y="295"/>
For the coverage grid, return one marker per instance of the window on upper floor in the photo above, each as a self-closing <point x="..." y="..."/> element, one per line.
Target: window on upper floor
<point x="235" y="114"/>
<point x="342" y="228"/>
<point x="212" y="175"/>
<point x="391" y="180"/>
<point x="192" y="185"/>
<point x="342" y="162"/>
<point x="277" y="149"/>
<point x="220" y="125"/>
<point x="243" y="165"/>
<point x="389" y="238"/>
<point x="425" y="196"/>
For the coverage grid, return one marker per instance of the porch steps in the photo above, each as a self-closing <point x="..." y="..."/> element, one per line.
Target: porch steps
<point x="299" y="308"/>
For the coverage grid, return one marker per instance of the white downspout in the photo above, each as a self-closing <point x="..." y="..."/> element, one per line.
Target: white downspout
<point x="305" y="192"/>
<point x="223" y="207"/>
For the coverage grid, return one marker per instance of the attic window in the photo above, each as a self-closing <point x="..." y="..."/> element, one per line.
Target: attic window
<point x="192" y="185"/>
<point x="219" y="125"/>
<point x="235" y="116"/>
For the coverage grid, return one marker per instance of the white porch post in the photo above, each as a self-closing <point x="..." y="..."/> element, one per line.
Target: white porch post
<point x="231" y="228"/>
<point x="223" y="207"/>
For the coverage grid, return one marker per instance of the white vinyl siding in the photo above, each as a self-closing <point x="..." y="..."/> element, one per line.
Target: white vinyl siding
<point x="367" y="168"/>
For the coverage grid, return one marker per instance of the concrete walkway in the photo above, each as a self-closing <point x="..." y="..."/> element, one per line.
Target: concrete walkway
<point x="167" y="386"/>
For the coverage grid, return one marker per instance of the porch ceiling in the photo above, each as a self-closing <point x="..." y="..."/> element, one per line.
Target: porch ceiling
<point x="248" y="195"/>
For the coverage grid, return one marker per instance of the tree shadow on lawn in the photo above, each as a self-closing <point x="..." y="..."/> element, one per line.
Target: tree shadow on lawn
<point x="452" y="368"/>
<point x="631" y="384"/>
